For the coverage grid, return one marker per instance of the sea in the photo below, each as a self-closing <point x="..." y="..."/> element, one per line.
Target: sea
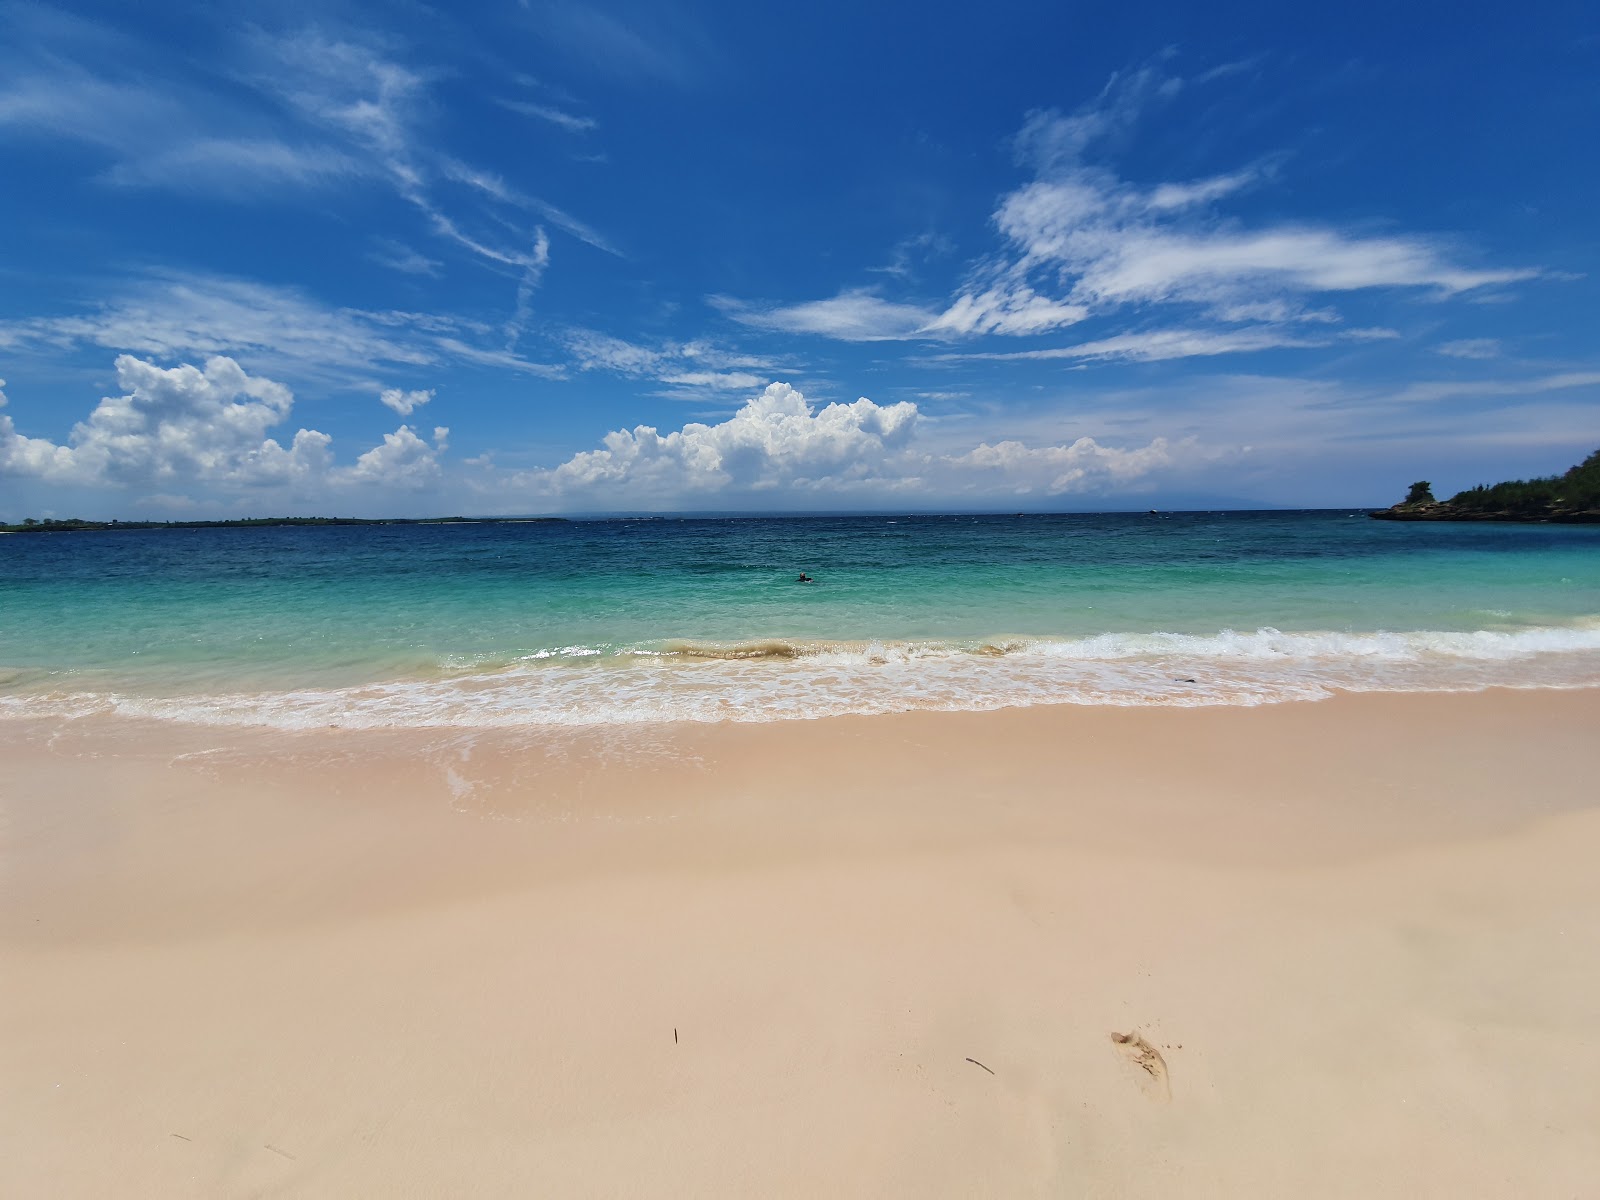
<point x="662" y="619"/>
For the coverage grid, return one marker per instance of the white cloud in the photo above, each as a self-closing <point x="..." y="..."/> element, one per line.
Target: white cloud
<point x="722" y="381"/>
<point x="349" y="89"/>
<point x="402" y="460"/>
<point x="495" y="188"/>
<point x="48" y="97"/>
<point x="1274" y="311"/>
<point x="281" y="330"/>
<point x="30" y="457"/>
<point x="779" y="447"/>
<point x="1010" y="307"/>
<point x="1428" y="392"/>
<point x="160" y="130"/>
<point x="210" y="428"/>
<point x="1154" y="346"/>
<point x="184" y="424"/>
<point x="263" y="115"/>
<point x="1083" y="465"/>
<point x="851" y="316"/>
<point x="664" y="46"/>
<point x="1481" y="348"/>
<point x="909" y="253"/>
<point x="404" y="402"/>
<point x="403" y="258"/>
<point x="238" y="167"/>
<point x="698" y="366"/>
<point x="505" y="359"/>
<point x="556" y="116"/>
<point x="775" y="440"/>
<point x="1080" y="241"/>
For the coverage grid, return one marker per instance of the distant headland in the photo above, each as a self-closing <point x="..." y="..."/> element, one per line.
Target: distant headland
<point x="74" y="525"/>
<point x="1569" y="499"/>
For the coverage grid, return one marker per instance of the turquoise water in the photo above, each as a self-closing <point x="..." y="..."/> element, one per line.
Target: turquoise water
<point x="663" y="619"/>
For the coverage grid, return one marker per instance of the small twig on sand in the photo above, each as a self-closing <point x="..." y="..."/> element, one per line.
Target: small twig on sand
<point x="179" y="1135"/>
<point x="976" y="1063"/>
<point x="674" y="1035"/>
<point x="275" y="1150"/>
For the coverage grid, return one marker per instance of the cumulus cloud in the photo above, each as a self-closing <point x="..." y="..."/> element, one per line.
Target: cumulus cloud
<point x="206" y="426"/>
<point x="777" y="439"/>
<point x="402" y="460"/>
<point x="403" y="402"/>
<point x="178" y="424"/>
<point x="30" y="457"/>
<point x="780" y="446"/>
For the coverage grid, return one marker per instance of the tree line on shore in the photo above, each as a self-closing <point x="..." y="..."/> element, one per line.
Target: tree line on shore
<point x="78" y="525"/>
<point x="1575" y="490"/>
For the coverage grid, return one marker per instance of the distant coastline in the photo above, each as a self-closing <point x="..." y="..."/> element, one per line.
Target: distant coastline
<point x="1572" y="498"/>
<point x="77" y="526"/>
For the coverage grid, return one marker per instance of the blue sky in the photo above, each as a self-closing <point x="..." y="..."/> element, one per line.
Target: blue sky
<point x="549" y="257"/>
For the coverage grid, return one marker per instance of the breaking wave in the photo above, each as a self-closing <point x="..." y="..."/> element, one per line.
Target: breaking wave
<point x="782" y="679"/>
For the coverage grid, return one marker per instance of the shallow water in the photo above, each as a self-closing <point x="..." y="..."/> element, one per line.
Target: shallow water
<point x="595" y="622"/>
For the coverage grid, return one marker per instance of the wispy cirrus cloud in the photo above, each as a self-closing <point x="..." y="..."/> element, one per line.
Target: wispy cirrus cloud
<point x="400" y="257"/>
<point x="851" y="316"/>
<point x="1515" y="387"/>
<point x="155" y="132"/>
<point x="269" y="116"/>
<point x="571" y="122"/>
<point x="284" y="331"/>
<point x="654" y="45"/>
<point x="693" y="368"/>
<point x="1153" y="346"/>
<point x="1475" y="348"/>
<point x="1079" y="242"/>
<point x="1157" y="345"/>
<point x="236" y="167"/>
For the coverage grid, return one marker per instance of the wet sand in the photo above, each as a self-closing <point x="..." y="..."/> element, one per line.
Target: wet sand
<point x="1332" y="949"/>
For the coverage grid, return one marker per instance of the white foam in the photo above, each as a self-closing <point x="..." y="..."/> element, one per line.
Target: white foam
<point x="587" y="686"/>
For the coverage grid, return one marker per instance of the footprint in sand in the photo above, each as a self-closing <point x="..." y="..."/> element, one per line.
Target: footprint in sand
<point x="1152" y="1068"/>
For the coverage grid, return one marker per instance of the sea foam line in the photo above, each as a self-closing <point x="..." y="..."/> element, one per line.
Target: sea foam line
<point x="785" y="680"/>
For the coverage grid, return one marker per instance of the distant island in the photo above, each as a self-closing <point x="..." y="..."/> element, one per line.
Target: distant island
<point x="1571" y="499"/>
<point x="74" y="525"/>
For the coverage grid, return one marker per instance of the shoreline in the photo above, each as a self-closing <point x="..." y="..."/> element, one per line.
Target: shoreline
<point x="773" y="680"/>
<point x="772" y="958"/>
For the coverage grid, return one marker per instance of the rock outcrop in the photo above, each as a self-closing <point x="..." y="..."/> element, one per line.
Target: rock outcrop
<point x="1444" y="510"/>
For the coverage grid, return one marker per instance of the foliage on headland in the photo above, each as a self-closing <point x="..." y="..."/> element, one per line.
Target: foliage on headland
<point x="1572" y="497"/>
<point x="75" y="525"/>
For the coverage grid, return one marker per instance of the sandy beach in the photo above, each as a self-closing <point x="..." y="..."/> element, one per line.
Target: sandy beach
<point x="1348" y="948"/>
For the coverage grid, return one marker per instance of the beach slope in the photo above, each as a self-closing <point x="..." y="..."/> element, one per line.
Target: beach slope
<point x="1334" y="949"/>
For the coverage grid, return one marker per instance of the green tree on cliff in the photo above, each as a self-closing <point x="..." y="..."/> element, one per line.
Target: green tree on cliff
<point x="1578" y="489"/>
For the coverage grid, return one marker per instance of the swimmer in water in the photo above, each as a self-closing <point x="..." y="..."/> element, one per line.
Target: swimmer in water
<point x="804" y="578"/>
